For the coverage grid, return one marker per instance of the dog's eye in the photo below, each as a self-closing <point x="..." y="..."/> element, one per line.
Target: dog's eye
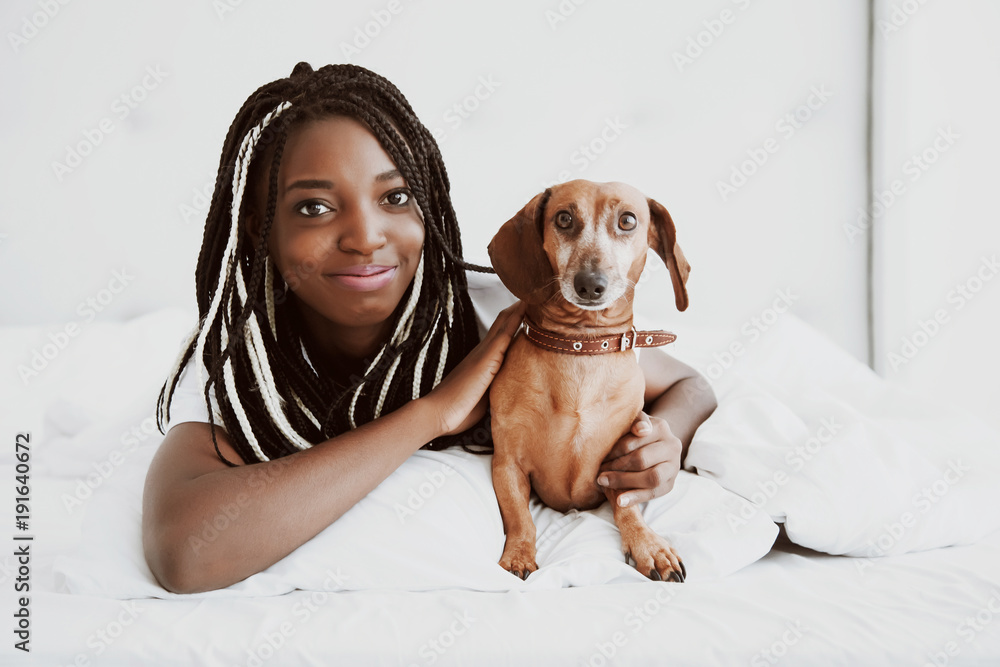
<point x="627" y="222"/>
<point x="564" y="220"/>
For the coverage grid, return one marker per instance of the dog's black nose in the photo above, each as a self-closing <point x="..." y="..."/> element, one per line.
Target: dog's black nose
<point x="590" y="285"/>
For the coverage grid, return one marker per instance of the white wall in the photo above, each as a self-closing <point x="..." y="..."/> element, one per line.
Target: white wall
<point x="939" y="73"/>
<point x="559" y="82"/>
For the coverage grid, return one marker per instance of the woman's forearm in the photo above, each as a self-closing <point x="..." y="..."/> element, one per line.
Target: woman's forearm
<point x="685" y="406"/>
<point x="225" y="525"/>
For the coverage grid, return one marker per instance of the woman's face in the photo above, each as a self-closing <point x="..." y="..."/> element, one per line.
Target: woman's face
<point x="347" y="234"/>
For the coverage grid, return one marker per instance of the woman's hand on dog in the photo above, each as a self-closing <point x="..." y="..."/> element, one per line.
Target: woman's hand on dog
<point x="459" y="401"/>
<point x="645" y="461"/>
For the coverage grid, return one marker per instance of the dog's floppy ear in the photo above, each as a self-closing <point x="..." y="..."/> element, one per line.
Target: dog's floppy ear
<point x="517" y="254"/>
<point x="663" y="239"/>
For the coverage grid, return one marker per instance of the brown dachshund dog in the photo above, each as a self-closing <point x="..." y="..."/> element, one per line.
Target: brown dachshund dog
<point x="570" y="385"/>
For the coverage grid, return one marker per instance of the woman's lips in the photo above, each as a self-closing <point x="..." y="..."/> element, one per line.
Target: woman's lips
<point x="364" y="278"/>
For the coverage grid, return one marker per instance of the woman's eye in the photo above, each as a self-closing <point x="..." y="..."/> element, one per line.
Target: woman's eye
<point x="397" y="198"/>
<point x="564" y="220"/>
<point x="627" y="222"/>
<point x="313" y="209"/>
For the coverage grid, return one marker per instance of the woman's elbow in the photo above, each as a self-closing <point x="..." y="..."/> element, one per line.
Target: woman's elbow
<point x="173" y="563"/>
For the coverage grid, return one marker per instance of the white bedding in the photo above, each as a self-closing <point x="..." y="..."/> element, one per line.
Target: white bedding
<point x="90" y="412"/>
<point x="801" y="607"/>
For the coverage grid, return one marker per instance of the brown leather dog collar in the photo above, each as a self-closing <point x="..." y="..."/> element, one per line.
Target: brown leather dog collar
<point x="602" y="345"/>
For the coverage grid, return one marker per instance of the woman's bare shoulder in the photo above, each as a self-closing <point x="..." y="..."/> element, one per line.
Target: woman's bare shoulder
<point x="187" y="453"/>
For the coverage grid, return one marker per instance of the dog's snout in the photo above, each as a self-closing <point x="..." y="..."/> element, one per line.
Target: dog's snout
<point x="590" y="285"/>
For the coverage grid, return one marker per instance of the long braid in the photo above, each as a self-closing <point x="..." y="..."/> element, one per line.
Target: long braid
<point x="250" y="337"/>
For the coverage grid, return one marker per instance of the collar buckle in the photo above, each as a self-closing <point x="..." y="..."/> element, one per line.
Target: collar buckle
<point x="626" y="344"/>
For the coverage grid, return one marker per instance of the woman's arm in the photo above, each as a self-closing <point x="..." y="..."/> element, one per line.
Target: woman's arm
<point x="647" y="459"/>
<point x="676" y="393"/>
<point x="207" y="525"/>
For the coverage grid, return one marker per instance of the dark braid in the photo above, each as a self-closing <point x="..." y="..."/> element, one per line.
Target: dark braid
<point x="271" y="400"/>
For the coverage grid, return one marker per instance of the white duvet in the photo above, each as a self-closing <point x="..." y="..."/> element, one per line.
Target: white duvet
<point x="850" y="463"/>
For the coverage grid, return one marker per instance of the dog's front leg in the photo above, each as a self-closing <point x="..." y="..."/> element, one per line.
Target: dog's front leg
<point x="513" y="491"/>
<point x="652" y="554"/>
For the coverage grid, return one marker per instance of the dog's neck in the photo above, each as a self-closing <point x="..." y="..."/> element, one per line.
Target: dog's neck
<point x="566" y="319"/>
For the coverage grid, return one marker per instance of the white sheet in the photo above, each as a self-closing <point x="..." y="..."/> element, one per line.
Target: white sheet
<point x="805" y="608"/>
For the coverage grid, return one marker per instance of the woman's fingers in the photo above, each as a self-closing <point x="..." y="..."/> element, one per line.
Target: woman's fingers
<point x="463" y="392"/>
<point x="507" y="323"/>
<point x="640" y="487"/>
<point x="645" y="466"/>
<point x="635" y="438"/>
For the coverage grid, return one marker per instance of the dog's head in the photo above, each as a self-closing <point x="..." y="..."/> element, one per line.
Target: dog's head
<point x="586" y="242"/>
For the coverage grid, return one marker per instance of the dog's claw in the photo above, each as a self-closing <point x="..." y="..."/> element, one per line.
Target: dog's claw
<point x="519" y="561"/>
<point x="684" y="572"/>
<point x="653" y="556"/>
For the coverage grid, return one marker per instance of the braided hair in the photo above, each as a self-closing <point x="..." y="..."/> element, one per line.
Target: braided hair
<point x="271" y="399"/>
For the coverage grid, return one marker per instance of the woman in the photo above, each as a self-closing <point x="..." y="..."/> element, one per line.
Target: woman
<point x="336" y="334"/>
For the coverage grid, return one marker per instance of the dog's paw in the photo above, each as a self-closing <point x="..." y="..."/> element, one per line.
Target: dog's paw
<point x="519" y="559"/>
<point x="654" y="557"/>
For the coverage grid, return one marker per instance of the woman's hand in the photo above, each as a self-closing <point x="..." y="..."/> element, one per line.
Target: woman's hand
<point x="459" y="401"/>
<point x="645" y="461"/>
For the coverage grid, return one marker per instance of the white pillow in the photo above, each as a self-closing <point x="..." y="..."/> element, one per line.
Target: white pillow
<point x="850" y="463"/>
<point x="433" y="524"/>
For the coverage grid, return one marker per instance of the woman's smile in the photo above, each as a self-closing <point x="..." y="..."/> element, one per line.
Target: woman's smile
<point x="364" y="277"/>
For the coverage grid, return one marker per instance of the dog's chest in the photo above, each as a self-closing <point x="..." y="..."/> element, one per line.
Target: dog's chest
<point x="561" y="414"/>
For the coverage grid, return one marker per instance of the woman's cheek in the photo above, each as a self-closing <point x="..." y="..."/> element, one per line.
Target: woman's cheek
<point x="307" y="255"/>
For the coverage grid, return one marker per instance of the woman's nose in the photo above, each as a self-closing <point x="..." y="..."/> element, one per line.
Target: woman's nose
<point x="361" y="231"/>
